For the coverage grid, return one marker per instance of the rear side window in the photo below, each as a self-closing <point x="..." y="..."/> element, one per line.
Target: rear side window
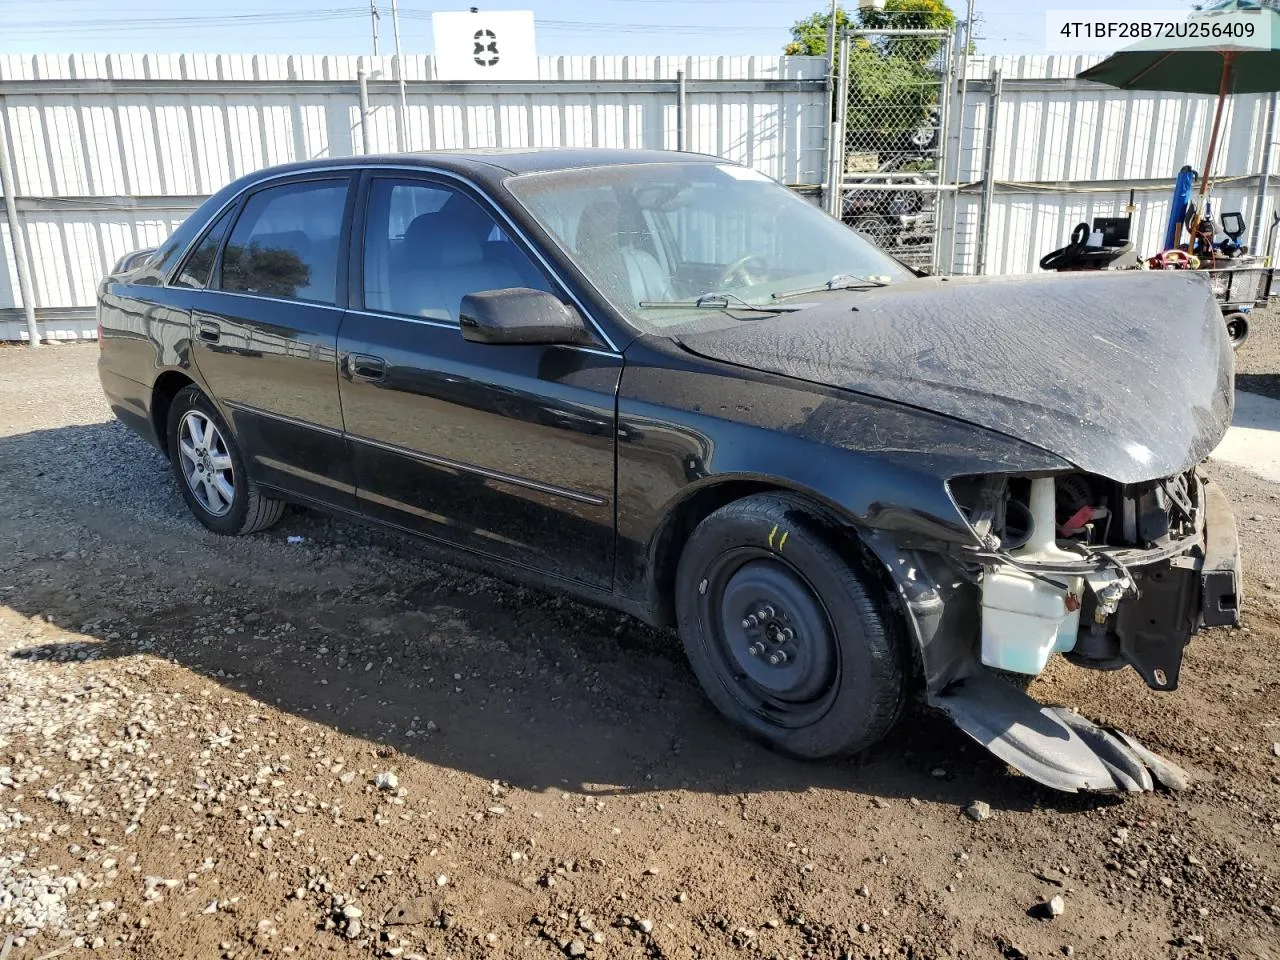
<point x="198" y="267"/>
<point x="286" y="242"/>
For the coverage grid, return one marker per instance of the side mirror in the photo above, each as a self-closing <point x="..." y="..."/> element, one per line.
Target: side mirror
<point x="520" y="315"/>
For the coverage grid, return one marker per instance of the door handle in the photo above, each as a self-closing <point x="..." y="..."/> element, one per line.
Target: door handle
<point x="210" y="332"/>
<point x="361" y="366"/>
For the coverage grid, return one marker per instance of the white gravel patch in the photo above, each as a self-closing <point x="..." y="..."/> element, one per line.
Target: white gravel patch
<point x="80" y="767"/>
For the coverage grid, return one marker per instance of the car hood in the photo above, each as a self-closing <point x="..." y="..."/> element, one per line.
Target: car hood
<point x="1124" y="374"/>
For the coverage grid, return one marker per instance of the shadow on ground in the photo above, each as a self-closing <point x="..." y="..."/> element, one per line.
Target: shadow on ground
<point x="369" y="633"/>
<point x="1264" y="384"/>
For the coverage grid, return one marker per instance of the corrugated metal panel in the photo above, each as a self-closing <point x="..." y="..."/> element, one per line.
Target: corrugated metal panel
<point x="1068" y="150"/>
<point x="82" y="137"/>
<point x="1024" y="226"/>
<point x="1074" y="130"/>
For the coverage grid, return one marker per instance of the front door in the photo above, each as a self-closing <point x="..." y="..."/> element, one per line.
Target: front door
<point x="505" y="450"/>
<point x="264" y="333"/>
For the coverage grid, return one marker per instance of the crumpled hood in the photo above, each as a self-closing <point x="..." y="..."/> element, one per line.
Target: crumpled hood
<point x="1124" y="374"/>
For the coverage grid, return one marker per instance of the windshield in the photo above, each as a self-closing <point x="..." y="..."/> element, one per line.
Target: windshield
<point x="658" y="239"/>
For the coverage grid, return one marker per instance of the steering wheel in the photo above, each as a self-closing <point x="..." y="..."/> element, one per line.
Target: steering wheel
<point x="739" y="270"/>
<point x="1174" y="259"/>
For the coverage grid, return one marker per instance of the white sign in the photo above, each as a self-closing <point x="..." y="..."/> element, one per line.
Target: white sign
<point x="490" y="45"/>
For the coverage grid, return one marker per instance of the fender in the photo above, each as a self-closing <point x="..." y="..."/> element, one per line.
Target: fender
<point x="689" y="426"/>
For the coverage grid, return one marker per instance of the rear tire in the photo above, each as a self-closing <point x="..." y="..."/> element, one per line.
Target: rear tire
<point x="211" y="471"/>
<point x="789" y="639"/>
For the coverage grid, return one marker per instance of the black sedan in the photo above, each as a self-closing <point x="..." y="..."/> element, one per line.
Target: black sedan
<point x="665" y="383"/>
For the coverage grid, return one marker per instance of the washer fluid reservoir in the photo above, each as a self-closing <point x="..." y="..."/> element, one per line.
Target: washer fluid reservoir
<point x="1026" y="619"/>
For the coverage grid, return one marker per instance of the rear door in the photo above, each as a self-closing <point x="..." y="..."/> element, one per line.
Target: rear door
<point x="505" y="450"/>
<point x="265" y="331"/>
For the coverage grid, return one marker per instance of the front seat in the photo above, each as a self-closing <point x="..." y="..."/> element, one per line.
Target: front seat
<point x="411" y="286"/>
<point x="628" y="273"/>
<point x="450" y="255"/>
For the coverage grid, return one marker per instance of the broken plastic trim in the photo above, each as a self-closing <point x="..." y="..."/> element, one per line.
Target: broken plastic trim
<point x="1052" y="745"/>
<point x="1115" y="559"/>
<point x="986" y="549"/>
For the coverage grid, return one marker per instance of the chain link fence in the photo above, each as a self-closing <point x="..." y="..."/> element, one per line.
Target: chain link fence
<point x="893" y="96"/>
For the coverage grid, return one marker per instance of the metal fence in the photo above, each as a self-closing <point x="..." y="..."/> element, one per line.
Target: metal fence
<point x="1034" y="152"/>
<point x="962" y="164"/>
<point x="892" y="103"/>
<point x="109" y="153"/>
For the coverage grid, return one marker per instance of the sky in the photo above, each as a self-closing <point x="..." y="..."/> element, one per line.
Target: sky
<point x="658" y="27"/>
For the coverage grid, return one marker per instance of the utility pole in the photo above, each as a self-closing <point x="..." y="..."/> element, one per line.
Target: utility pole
<point x="373" y="15"/>
<point x="834" y="149"/>
<point x="831" y="38"/>
<point x="9" y="191"/>
<point x="403" y="117"/>
<point x="362" y="78"/>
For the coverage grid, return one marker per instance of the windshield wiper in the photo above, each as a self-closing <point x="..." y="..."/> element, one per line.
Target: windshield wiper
<point x="721" y="301"/>
<point x="841" y="281"/>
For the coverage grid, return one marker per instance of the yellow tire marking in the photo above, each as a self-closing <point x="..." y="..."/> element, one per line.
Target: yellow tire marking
<point x="783" y="542"/>
<point x="772" y="533"/>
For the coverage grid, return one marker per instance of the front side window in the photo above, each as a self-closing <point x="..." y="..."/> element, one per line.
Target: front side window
<point x="427" y="246"/>
<point x="198" y="267"/>
<point x="286" y="242"/>
<point x="657" y="238"/>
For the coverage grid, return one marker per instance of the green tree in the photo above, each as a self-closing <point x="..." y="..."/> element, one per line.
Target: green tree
<point x="809" y="36"/>
<point x="894" y="81"/>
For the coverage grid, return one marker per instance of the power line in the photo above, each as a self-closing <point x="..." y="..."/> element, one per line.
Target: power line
<point x="701" y="29"/>
<point x="685" y="3"/>
<point x="33" y="27"/>
<point x="600" y="26"/>
<point x="138" y="22"/>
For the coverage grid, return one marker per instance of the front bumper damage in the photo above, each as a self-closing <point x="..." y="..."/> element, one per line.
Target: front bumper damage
<point x="1175" y="592"/>
<point x="1179" y="595"/>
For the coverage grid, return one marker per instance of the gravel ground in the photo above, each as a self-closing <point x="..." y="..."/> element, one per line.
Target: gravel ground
<point x="1258" y="359"/>
<point x="343" y="747"/>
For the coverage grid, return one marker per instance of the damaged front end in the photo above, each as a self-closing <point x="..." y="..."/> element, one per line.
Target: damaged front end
<point x="1107" y="574"/>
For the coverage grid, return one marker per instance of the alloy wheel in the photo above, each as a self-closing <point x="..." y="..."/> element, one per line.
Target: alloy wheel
<point x="206" y="463"/>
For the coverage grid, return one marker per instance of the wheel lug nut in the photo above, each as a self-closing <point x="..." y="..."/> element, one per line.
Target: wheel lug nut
<point x="787" y="634"/>
<point x="749" y="622"/>
<point x="756" y="649"/>
<point x="766" y="612"/>
<point x="777" y="658"/>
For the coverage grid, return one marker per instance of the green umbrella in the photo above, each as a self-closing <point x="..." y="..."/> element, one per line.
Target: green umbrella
<point x="1222" y="70"/>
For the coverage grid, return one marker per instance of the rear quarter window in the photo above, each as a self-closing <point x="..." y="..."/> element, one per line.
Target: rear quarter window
<point x="286" y="242"/>
<point x="197" y="269"/>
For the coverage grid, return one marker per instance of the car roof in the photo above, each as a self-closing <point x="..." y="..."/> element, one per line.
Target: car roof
<point x="497" y="162"/>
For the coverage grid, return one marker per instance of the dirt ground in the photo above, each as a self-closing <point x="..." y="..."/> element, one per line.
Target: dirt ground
<point x="195" y="734"/>
<point x="1258" y="359"/>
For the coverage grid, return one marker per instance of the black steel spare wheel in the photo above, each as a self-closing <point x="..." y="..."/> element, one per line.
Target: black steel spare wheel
<point x="787" y="635"/>
<point x="773" y="635"/>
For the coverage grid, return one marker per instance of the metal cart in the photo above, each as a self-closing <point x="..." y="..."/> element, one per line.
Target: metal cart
<point x="1238" y="290"/>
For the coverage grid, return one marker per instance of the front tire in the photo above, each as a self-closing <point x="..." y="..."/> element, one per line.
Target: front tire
<point x="788" y="637"/>
<point x="211" y="471"/>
